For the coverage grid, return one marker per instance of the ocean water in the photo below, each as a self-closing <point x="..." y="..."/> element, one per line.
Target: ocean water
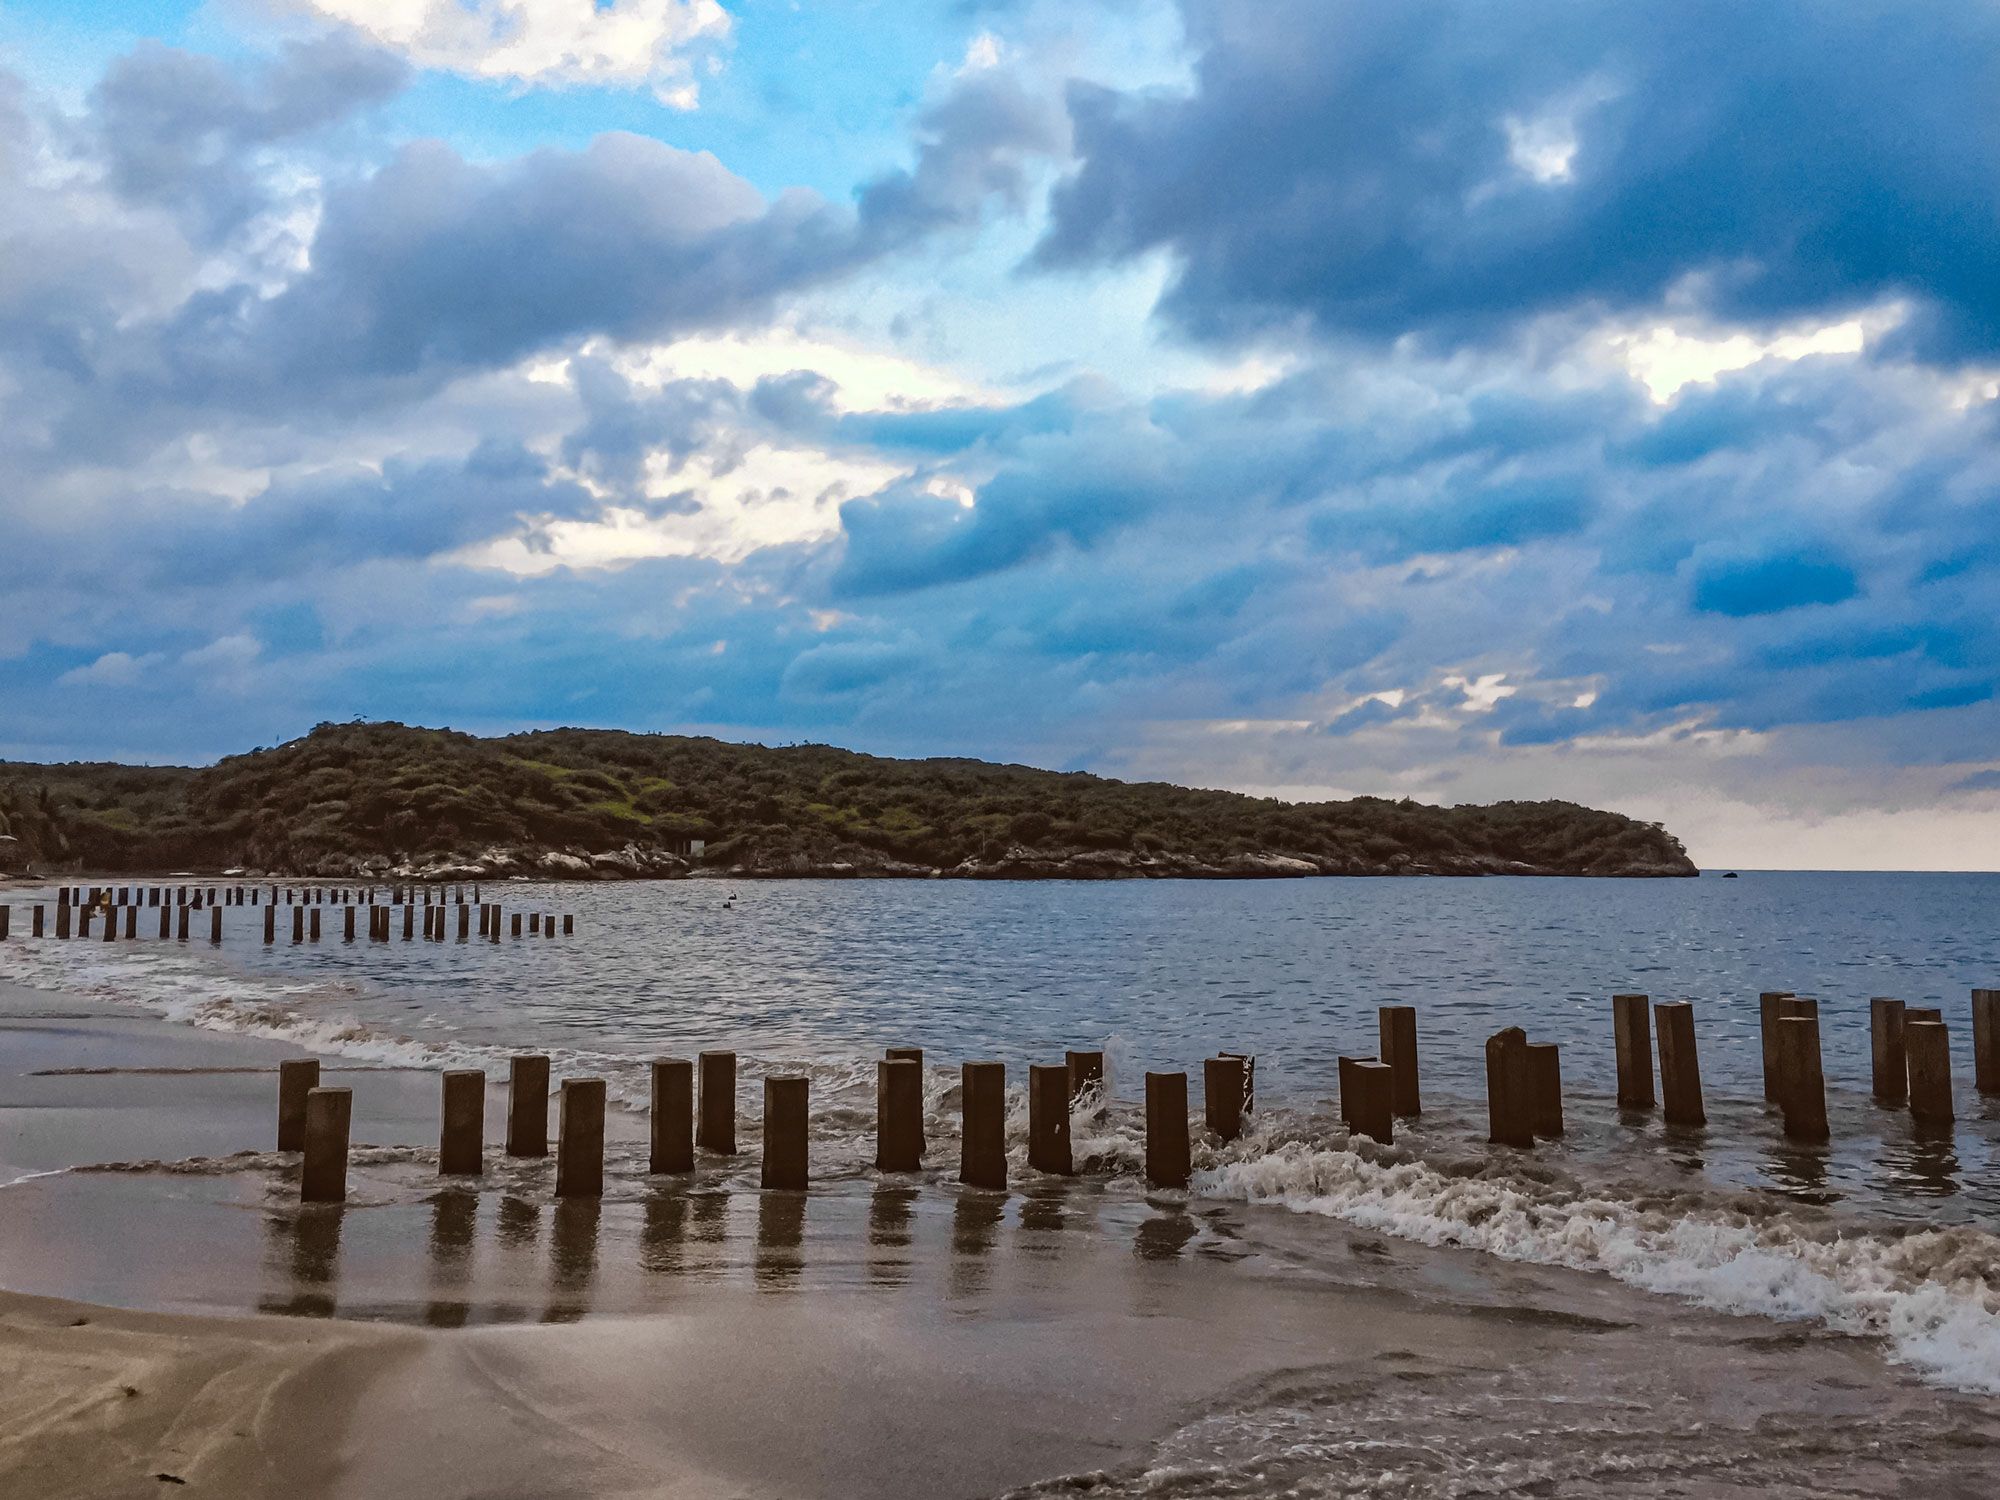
<point x="1887" y="1232"/>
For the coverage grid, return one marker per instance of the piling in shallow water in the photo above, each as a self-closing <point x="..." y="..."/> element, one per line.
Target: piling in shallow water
<point x="1545" y="1094"/>
<point x="1680" y="1064"/>
<point x="297" y="1077"/>
<point x="1168" y="1159"/>
<point x="982" y="1158"/>
<point x="1396" y="1039"/>
<point x="528" y="1105"/>
<point x="899" y="1114"/>
<point x="671" y="1114"/>
<point x="1507" y="1111"/>
<point x="580" y="1147"/>
<point x="716" y="1129"/>
<point x="1986" y="1041"/>
<point x="1769" y="1012"/>
<point x="323" y="1175"/>
<point x="462" y="1127"/>
<point x="1222" y="1096"/>
<point x="1367" y="1098"/>
<point x="1632" y="1035"/>
<point x="1928" y="1044"/>
<point x="786" y="1109"/>
<point x="1888" y="1068"/>
<point x="1048" y="1120"/>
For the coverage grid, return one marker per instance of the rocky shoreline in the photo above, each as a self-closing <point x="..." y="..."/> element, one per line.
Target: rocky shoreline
<point x="636" y="862"/>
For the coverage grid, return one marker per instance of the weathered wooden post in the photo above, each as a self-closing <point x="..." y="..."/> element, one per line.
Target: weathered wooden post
<point x="1507" y="1094"/>
<point x="1889" y="1073"/>
<point x="1928" y="1044"/>
<point x="493" y="925"/>
<point x="1802" y="1085"/>
<point x="1048" y="1119"/>
<point x="214" y="925"/>
<point x="132" y="922"/>
<point x="1769" y="1014"/>
<point x="312" y="923"/>
<point x="298" y="924"/>
<point x="899" y="1113"/>
<point x="270" y="925"/>
<point x="569" y="924"/>
<point x="580" y="1147"/>
<point x="982" y="1158"/>
<point x="1086" y="1075"/>
<point x="671" y="1114"/>
<point x="1632" y="1035"/>
<point x="36" y="922"/>
<point x="1368" y="1098"/>
<point x="1169" y="1162"/>
<point x="323" y="1174"/>
<point x="297" y="1077"/>
<point x="716" y="1129"/>
<point x="110" y="923"/>
<point x="409" y="922"/>
<point x="464" y="922"/>
<point x="1680" y="1064"/>
<point x="347" y="925"/>
<point x="1986" y="1041"/>
<point x="514" y="927"/>
<point x="786" y="1109"/>
<point x="1545" y="1094"/>
<point x="1222" y="1095"/>
<point x="528" y="1105"/>
<point x="462" y="1127"/>
<point x="1396" y="1039"/>
<point x="181" y="924"/>
<point x="534" y="924"/>
<point x="62" y="919"/>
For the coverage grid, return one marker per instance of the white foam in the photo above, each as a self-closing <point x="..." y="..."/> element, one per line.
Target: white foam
<point x="1930" y="1294"/>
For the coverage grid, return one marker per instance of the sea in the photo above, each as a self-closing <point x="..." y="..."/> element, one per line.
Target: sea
<point x="1888" y="1231"/>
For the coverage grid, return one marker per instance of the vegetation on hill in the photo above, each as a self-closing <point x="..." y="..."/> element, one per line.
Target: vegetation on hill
<point x="353" y="797"/>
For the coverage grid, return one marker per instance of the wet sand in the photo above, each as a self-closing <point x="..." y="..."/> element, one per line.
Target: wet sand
<point x="181" y="1314"/>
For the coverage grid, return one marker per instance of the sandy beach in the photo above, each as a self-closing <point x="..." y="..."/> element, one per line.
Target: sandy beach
<point x="170" y="1310"/>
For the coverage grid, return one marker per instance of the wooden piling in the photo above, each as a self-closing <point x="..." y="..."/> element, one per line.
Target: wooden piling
<point x="462" y="1124"/>
<point x="214" y="925"/>
<point x="298" y="924"/>
<point x="409" y="922"/>
<point x="181" y="926"/>
<point x="62" y="919"/>
<point x="464" y="922"/>
<point x="1986" y="1041"/>
<point x="1507" y="1093"/>
<point x="528" y="1105"/>
<point x="347" y="925"/>
<point x="982" y="1160"/>
<point x="671" y="1114"/>
<point x="786" y="1112"/>
<point x="899" y="1113"/>
<point x="35" y="922"/>
<point x="1928" y="1045"/>
<point x="312" y="924"/>
<point x="1889" y="1074"/>
<point x="323" y="1174"/>
<point x="1680" y="1064"/>
<point x="1086" y="1075"/>
<point x="716" y="1128"/>
<point x="1168" y="1160"/>
<point x="1768" y="1016"/>
<point x="1396" y="1039"/>
<point x="514" y="929"/>
<point x="1368" y="1098"/>
<point x="1801" y="1083"/>
<point x="1632" y="1035"/>
<point x="569" y="924"/>
<point x="270" y="925"/>
<point x="1048" y="1119"/>
<point x="297" y="1077"/>
<point x="915" y="1055"/>
<point x="1222" y="1096"/>
<point x="580" y="1146"/>
<point x="1545" y="1097"/>
<point x="132" y="923"/>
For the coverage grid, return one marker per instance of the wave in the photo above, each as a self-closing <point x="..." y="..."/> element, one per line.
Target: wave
<point x="1933" y="1295"/>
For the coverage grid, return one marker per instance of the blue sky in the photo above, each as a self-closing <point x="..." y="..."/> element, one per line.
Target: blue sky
<point x="1421" y="398"/>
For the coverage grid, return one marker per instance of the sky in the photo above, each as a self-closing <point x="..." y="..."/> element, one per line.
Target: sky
<point x="1443" y="399"/>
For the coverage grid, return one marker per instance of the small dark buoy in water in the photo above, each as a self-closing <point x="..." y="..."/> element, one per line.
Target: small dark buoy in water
<point x="1729" y="875"/>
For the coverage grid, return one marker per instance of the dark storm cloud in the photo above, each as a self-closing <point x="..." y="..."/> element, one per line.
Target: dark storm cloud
<point x="1451" y="168"/>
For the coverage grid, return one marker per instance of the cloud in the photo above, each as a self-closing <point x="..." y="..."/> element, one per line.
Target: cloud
<point x="113" y="669"/>
<point x="615" y="43"/>
<point x="1453" y="170"/>
<point x="1763" y="581"/>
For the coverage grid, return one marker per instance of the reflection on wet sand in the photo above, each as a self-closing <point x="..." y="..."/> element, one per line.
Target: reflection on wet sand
<point x="520" y="1223"/>
<point x="305" y="1260"/>
<point x="454" y="1219"/>
<point x="662" y="1236"/>
<point x="781" y="1229"/>
<point x="890" y="1210"/>
<point x="975" y="1229"/>
<point x="573" y="1258"/>
<point x="1165" y="1235"/>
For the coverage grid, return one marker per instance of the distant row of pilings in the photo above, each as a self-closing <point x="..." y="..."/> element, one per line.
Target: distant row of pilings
<point x="77" y="909"/>
<point x="693" y="1103"/>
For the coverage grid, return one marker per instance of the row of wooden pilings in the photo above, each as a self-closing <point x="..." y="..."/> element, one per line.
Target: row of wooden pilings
<point x="306" y="921"/>
<point x="249" y="895"/>
<point x="693" y="1103"/>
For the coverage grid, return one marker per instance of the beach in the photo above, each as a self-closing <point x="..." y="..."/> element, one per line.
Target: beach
<point x="172" y="1310"/>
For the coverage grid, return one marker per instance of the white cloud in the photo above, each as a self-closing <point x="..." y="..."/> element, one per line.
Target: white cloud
<point x="113" y="669"/>
<point x="624" y="42"/>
